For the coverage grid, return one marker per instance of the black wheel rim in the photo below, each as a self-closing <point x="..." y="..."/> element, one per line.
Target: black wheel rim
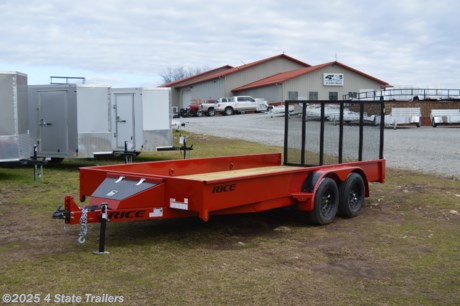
<point x="354" y="197"/>
<point x="327" y="203"/>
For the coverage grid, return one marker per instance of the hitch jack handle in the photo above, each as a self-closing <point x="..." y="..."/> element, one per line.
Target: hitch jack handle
<point x="104" y="220"/>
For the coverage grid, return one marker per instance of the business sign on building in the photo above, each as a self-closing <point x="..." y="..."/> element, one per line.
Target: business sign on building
<point x="333" y="79"/>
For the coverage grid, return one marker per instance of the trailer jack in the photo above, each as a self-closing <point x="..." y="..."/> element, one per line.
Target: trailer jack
<point x="65" y="215"/>
<point x="104" y="220"/>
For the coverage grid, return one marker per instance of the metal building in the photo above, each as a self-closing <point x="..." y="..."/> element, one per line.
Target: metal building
<point x="15" y="142"/>
<point x="222" y="82"/>
<point x="329" y="81"/>
<point x="275" y="79"/>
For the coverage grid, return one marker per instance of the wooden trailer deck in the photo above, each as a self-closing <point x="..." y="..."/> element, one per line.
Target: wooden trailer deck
<point x="231" y="174"/>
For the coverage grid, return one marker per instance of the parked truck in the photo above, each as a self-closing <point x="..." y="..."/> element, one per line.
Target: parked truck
<point x="320" y="174"/>
<point x="208" y="107"/>
<point x="240" y="104"/>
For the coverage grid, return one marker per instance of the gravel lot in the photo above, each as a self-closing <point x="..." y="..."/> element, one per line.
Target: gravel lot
<point x="426" y="149"/>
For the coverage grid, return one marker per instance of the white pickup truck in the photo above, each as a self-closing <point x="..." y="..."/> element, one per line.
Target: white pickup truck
<point x="240" y="104"/>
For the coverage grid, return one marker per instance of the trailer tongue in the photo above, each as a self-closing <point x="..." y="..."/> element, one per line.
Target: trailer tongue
<point x="241" y="184"/>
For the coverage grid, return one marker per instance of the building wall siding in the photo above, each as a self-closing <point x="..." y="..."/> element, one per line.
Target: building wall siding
<point x="175" y="97"/>
<point x="208" y="90"/>
<point x="270" y="93"/>
<point x="313" y="81"/>
<point x="258" y="72"/>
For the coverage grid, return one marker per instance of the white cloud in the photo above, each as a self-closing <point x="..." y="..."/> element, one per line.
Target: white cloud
<point x="129" y="43"/>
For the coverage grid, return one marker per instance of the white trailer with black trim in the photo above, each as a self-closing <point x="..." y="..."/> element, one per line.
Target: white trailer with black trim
<point x="15" y="144"/>
<point x="444" y="116"/>
<point x="141" y="118"/>
<point x="70" y="121"/>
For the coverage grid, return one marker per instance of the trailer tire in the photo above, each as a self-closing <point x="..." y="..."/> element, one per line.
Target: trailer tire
<point x="326" y="202"/>
<point x="351" y="195"/>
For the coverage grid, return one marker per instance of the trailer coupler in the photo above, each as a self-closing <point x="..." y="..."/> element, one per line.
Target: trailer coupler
<point x="61" y="213"/>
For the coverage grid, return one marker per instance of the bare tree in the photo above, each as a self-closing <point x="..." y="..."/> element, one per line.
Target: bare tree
<point x="171" y="74"/>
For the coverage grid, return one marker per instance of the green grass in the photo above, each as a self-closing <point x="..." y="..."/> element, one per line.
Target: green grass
<point x="402" y="250"/>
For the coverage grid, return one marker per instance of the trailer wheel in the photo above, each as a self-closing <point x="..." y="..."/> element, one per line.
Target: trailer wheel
<point x="351" y="195"/>
<point x="326" y="202"/>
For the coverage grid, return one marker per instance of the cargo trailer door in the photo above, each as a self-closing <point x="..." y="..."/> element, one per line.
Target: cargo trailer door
<point x="124" y="119"/>
<point x="53" y="122"/>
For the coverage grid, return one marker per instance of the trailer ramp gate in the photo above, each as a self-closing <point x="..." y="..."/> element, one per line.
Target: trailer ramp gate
<point x="333" y="132"/>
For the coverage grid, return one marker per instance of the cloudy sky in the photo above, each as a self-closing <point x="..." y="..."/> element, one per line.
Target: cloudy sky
<point x="129" y="43"/>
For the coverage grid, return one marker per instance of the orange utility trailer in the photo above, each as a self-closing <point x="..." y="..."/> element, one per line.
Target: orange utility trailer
<point x="327" y="165"/>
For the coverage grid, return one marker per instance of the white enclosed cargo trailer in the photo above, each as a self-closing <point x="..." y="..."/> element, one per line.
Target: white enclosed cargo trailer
<point x="15" y="142"/>
<point x="71" y="121"/>
<point x="141" y="118"/>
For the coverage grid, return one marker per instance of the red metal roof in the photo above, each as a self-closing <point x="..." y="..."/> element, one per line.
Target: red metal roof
<point x="284" y="76"/>
<point x="239" y="68"/>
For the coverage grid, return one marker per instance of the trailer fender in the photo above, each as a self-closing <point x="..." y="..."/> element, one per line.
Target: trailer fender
<point x="311" y="183"/>
<point x="340" y="175"/>
<point x="363" y="175"/>
<point x="304" y="198"/>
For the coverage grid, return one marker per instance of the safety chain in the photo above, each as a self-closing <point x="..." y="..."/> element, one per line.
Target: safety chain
<point x="83" y="226"/>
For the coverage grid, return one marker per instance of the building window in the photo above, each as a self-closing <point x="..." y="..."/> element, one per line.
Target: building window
<point x="293" y="95"/>
<point x="313" y="95"/>
<point x="333" y="96"/>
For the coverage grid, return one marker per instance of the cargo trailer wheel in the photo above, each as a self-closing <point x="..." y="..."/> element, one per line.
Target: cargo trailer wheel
<point x="326" y="202"/>
<point x="351" y="196"/>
